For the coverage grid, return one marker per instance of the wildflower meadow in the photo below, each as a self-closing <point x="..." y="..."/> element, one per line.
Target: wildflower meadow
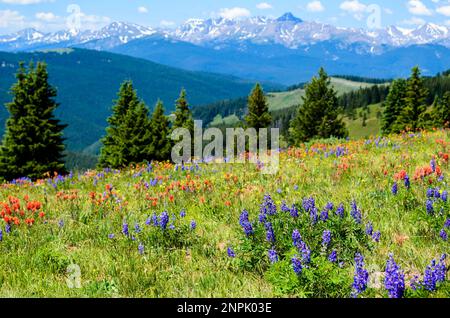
<point x="362" y="219"/>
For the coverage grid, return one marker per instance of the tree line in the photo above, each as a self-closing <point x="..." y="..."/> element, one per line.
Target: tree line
<point x="33" y="143"/>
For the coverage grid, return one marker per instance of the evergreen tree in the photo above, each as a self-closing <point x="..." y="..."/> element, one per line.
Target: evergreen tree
<point x="129" y="133"/>
<point x="415" y="103"/>
<point x="33" y="144"/>
<point x="318" y="117"/>
<point x="441" y="112"/>
<point x="161" y="146"/>
<point x="258" y="109"/>
<point x="183" y="114"/>
<point x="394" y="104"/>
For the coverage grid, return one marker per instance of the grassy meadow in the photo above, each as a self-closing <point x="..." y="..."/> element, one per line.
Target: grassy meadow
<point x="160" y="230"/>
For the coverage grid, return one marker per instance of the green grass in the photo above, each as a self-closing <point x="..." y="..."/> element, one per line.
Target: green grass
<point x="288" y="99"/>
<point x="373" y="123"/>
<point x="194" y="263"/>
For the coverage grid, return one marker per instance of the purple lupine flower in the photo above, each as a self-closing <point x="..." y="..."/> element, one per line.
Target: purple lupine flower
<point x="111" y="236"/>
<point x="333" y="257"/>
<point x="7" y="228"/>
<point x="443" y="235"/>
<point x="430" y="193"/>
<point x="361" y="276"/>
<point x="329" y="206"/>
<point x="437" y="193"/>
<point x="395" y="188"/>
<point x="306" y="253"/>
<point x="148" y="222"/>
<point x="444" y="196"/>
<point x="125" y="229"/>
<point x="296" y="238"/>
<point x="376" y="236"/>
<point x="61" y="223"/>
<point x="231" y="253"/>
<point x="415" y="283"/>
<point x="326" y="238"/>
<point x="430" y="208"/>
<point x="313" y="215"/>
<point x="172" y="227"/>
<point x="270" y="235"/>
<point x="356" y="213"/>
<point x="295" y="187"/>
<point x="193" y="225"/>
<point x="340" y="211"/>
<point x="284" y="207"/>
<point x="155" y="220"/>
<point x="324" y="215"/>
<point x="433" y="165"/>
<point x="183" y="214"/>
<point x="163" y="220"/>
<point x="441" y="269"/>
<point x="297" y="265"/>
<point x="137" y="228"/>
<point x="268" y="206"/>
<point x="245" y="223"/>
<point x="141" y="249"/>
<point x="273" y="256"/>
<point x="394" y="280"/>
<point x="369" y="229"/>
<point x="407" y="182"/>
<point x="429" y="279"/>
<point x="447" y="224"/>
<point x="294" y="211"/>
<point x="1" y="235"/>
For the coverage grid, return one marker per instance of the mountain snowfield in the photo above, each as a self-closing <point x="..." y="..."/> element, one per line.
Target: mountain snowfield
<point x="286" y="30"/>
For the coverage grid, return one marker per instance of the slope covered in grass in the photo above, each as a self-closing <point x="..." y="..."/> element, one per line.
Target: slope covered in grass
<point x="112" y="228"/>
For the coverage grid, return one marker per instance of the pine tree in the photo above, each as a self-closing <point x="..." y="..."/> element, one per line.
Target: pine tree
<point x="129" y="133"/>
<point x="395" y="101"/>
<point x="415" y="103"/>
<point x="183" y="114"/>
<point x="441" y="112"/>
<point x="258" y="109"/>
<point x="160" y="148"/>
<point x="318" y="117"/>
<point x="33" y="144"/>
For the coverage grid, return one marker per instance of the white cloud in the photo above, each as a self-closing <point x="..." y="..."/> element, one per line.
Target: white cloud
<point x="353" y="6"/>
<point x="142" y="9"/>
<point x="388" y="11"/>
<point x="10" y="18"/>
<point x="45" y="16"/>
<point x="417" y="7"/>
<point x="234" y="13"/>
<point x="264" y="6"/>
<point x="414" y="21"/>
<point x="445" y="10"/>
<point x="89" y="22"/>
<point x="24" y="2"/>
<point x="315" y="6"/>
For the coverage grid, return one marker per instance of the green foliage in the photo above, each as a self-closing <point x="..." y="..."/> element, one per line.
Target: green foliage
<point x="318" y="117"/>
<point x="33" y="144"/>
<point x="258" y="109"/>
<point x="161" y="145"/>
<point x="414" y="103"/>
<point x="394" y="104"/>
<point x="183" y="115"/>
<point x="129" y="134"/>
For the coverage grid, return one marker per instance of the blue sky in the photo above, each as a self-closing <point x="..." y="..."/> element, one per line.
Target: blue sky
<point x="51" y="15"/>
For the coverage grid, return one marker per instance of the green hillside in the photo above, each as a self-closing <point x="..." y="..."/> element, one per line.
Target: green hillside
<point x="287" y="99"/>
<point x="87" y="82"/>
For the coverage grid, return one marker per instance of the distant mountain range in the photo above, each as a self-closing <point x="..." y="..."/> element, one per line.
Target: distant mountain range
<point x="286" y="50"/>
<point x="88" y="81"/>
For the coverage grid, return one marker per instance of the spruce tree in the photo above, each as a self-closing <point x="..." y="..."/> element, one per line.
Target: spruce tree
<point x="33" y="144"/>
<point x="161" y="145"/>
<point x="318" y="117"/>
<point x="183" y="114"/>
<point x="441" y="113"/>
<point x="394" y="104"/>
<point x="415" y="103"/>
<point x="129" y="133"/>
<point x="258" y="109"/>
